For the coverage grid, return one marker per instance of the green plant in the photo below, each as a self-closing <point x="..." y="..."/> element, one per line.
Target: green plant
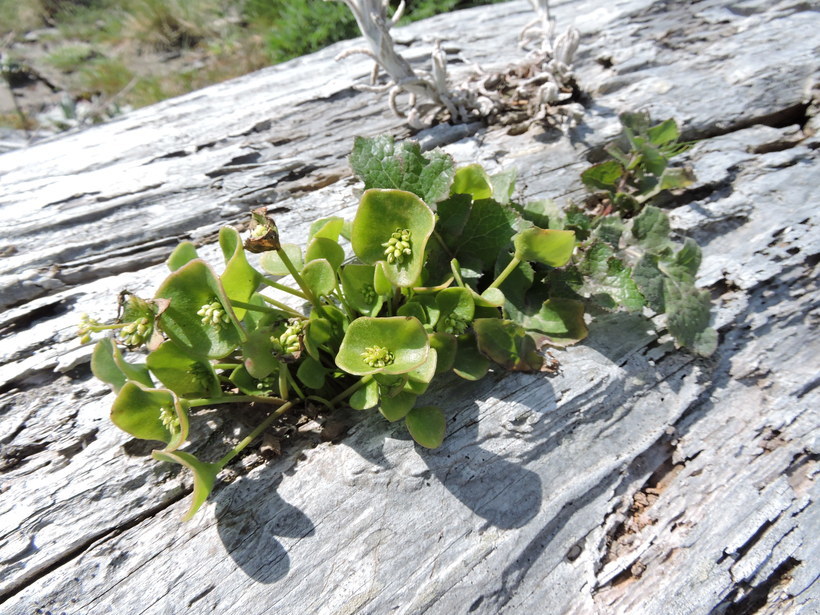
<point x="449" y="275"/>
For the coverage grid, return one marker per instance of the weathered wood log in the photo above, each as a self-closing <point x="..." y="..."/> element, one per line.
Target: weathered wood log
<point x="637" y="480"/>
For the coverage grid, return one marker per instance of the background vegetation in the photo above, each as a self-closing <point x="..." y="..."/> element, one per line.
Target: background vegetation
<point x="137" y="52"/>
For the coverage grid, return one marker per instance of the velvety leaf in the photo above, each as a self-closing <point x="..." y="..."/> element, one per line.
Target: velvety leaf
<point x="603" y="176"/>
<point x="381" y="214"/>
<point x="503" y="185"/>
<point x="404" y="338"/>
<point x="396" y="408"/>
<point x="548" y="247"/>
<point x="182" y="374"/>
<point x="650" y="281"/>
<point x="139" y="411"/>
<point x="687" y="310"/>
<point x="651" y="228"/>
<point x="664" y="133"/>
<point x="508" y="344"/>
<point x="674" y="178"/>
<point x="684" y="265"/>
<point x="607" y="280"/>
<point x="426" y="425"/>
<point x="204" y="476"/>
<point x="272" y="262"/>
<point x="609" y="230"/>
<point x="381" y="163"/>
<point x="184" y="252"/>
<point x="473" y="180"/>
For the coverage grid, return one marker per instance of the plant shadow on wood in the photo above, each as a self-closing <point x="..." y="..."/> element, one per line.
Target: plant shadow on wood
<point x="249" y="525"/>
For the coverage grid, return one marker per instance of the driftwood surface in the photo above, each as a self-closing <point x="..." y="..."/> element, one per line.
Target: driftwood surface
<point x="639" y="479"/>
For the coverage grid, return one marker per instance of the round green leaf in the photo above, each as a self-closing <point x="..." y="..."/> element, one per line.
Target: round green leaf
<point x="473" y="180"/>
<point x="273" y="264"/>
<point x="258" y="354"/>
<point x="427" y="426"/>
<point x="380" y="214"/>
<point x="188" y="289"/>
<point x="139" y="411"/>
<point x="445" y="346"/>
<point x="561" y="320"/>
<point x="366" y="397"/>
<point x="419" y="379"/>
<point x="311" y="373"/>
<point x="508" y="344"/>
<point x="184" y="375"/>
<point x="327" y="227"/>
<point x="546" y="246"/>
<point x="108" y="365"/>
<point x="491" y="297"/>
<point x="358" y="288"/>
<point x="319" y="276"/>
<point x="183" y="253"/>
<point x="403" y="337"/>
<point x="456" y="310"/>
<point x="469" y="363"/>
<point x="381" y="283"/>
<point x="397" y="407"/>
<point x="328" y="249"/>
<point x="204" y="476"/>
<point x="239" y="279"/>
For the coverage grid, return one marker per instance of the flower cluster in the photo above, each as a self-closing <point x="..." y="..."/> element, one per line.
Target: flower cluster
<point x="398" y="246"/>
<point x="213" y="314"/>
<point x="169" y="418"/>
<point x="136" y="333"/>
<point x="289" y="340"/>
<point x="377" y="356"/>
<point x="455" y="324"/>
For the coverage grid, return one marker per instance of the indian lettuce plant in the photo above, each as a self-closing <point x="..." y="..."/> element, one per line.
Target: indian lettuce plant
<point x="448" y="275"/>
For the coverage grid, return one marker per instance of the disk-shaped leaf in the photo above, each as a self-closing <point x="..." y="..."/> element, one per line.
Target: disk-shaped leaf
<point x="183" y="253"/>
<point x="366" y="397"/>
<point x="381" y="213"/>
<point x="319" y="276"/>
<point x="258" y="354"/>
<point x="327" y="227"/>
<point x="381" y="282"/>
<point x="561" y="320"/>
<point x="427" y="426"/>
<point x="182" y="374"/>
<point x="273" y="263"/>
<point x="545" y="246"/>
<point x="139" y="411"/>
<point x="418" y="380"/>
<point x="311" y="373"/>
<point x="358" y="288"/>
<point x="445" y="346"/>
<point x="396" y="407"/>
<point x="508" y="344"/>
<point x="603" y="176"/>
<point x="244" y="381"/>
<point x="456" y="310"/>
<point x="204" y="476"/>
<point x="415" y="310"/>
<point x="328" y="249"/>
<point x="108" y="365"/>
<point x="239" y="279"/>
<point x="503" y="185"/>
<point x="469" y="363"/>
<point x="319" y="332"/>
<point x="188" y="289"/>
<point x="473" y="180"/>
<point x="405" y="338"/>
<point x="491" y="297"/>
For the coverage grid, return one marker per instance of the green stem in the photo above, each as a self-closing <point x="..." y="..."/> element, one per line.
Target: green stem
<point x="283" y="288"/>
<point x="301" y="282"/>
<point x="254" y="434"/>
<point x="285" y="308"/>
<point x="293" y="384"/>
<point x="351" y="389"/>
<point x="507" y="271"/>
<point x="212" y="401"/>
<point x="226" y="365"/>
<point x="254" y="308"/>
<point x="283" y="382"/>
